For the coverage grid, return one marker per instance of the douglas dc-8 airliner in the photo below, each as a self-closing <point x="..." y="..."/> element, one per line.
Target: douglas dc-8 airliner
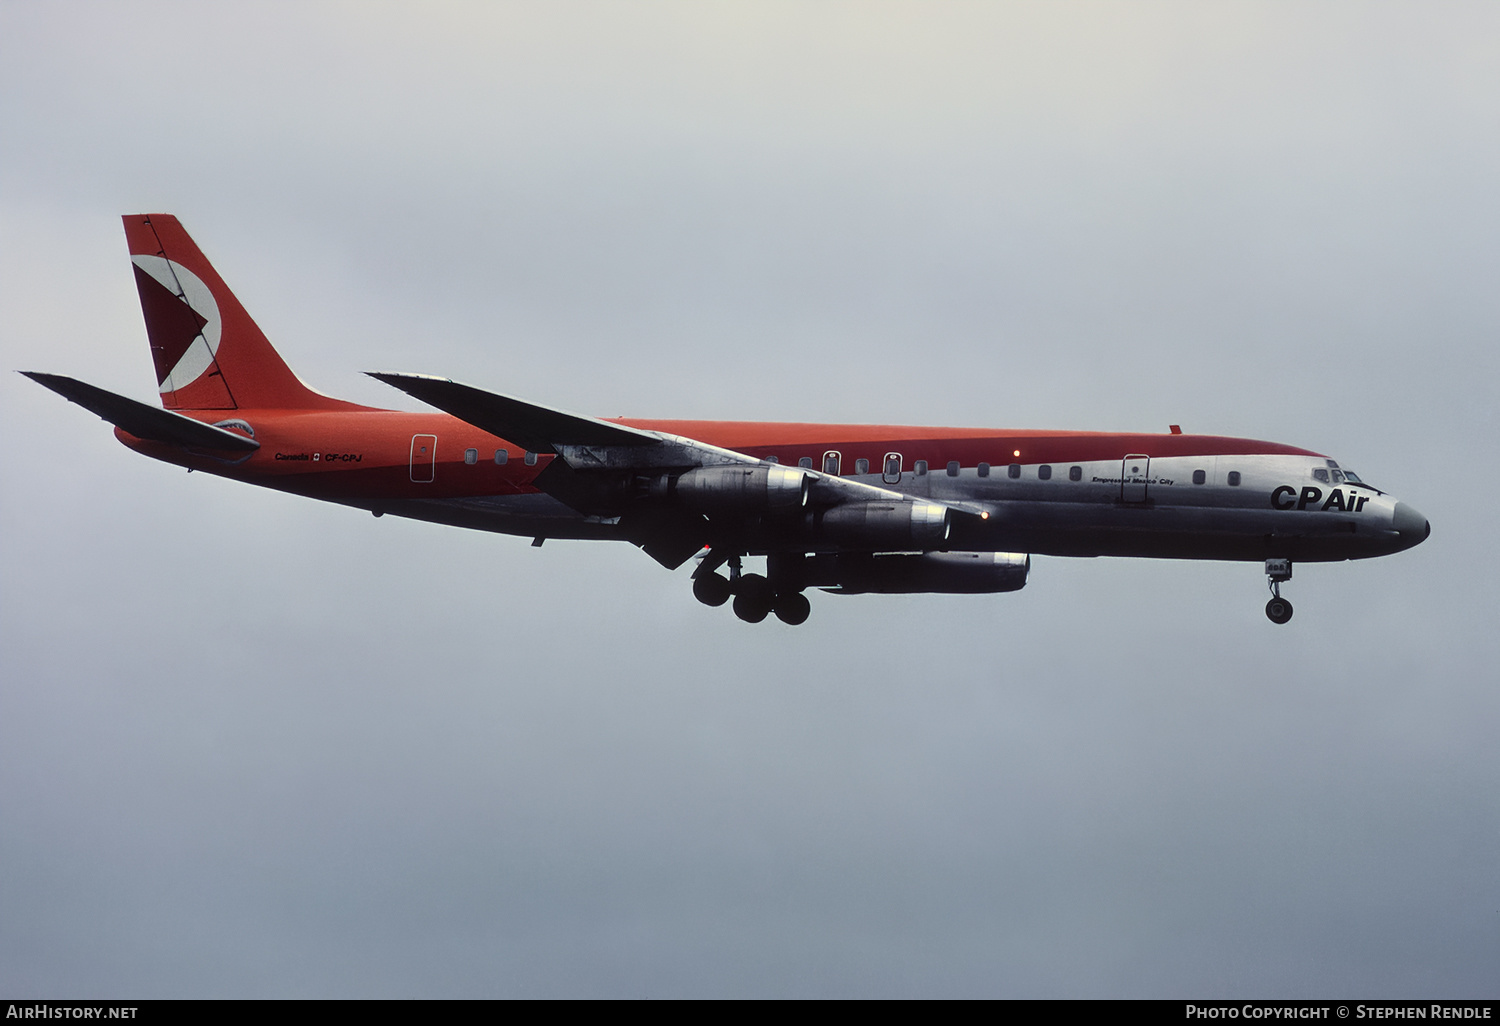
<point x="846" y="508"/>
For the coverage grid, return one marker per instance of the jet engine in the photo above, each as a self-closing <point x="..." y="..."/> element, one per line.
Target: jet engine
<point x="952" y="573"/>
<point x="898" y="524"/>
<point x="747" y="489"/>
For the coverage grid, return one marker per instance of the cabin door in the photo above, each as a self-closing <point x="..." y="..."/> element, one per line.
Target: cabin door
<point x="423" y="458"/>
<point x="1135" y="472"/>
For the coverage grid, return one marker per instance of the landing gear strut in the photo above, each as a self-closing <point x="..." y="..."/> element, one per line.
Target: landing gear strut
<point x="1279" y="610"/>
<point x="755" y="597"/>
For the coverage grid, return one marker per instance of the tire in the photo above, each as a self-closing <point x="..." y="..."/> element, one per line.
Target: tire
<point x="792" y="608"/>
<point x="712" y="589"/>
<point x="1279" y="610"/>
<point x="753" y="598"/>
<point x="756" y="587"/>
<point x="750" y="609"/>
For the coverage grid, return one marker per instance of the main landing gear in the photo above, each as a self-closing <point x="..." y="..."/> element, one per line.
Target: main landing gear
<point x="1278" y="570"/>
<point x="755" y="597"/>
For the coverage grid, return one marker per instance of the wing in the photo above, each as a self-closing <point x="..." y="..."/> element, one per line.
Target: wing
<point x="673" y="494"/>
<point x="143" y="421"/>
<point x="538" y="428"/>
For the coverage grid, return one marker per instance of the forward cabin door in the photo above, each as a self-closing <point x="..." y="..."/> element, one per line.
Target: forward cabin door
<point x="423" y="458"/>
<point x="1135" y="472"/>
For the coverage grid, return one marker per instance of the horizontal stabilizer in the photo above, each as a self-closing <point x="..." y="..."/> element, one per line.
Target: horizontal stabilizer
<point x="538" y="428"/>
<point x="143" y="421"/>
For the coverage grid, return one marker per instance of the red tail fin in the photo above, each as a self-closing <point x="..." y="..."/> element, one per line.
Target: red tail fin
<point x="209" y="354"/>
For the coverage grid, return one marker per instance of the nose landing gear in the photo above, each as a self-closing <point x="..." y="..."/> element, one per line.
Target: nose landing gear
<point x="1279" y="610"/>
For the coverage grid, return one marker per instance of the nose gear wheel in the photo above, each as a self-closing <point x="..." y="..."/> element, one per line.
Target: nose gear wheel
<point x="1278" y="610"/>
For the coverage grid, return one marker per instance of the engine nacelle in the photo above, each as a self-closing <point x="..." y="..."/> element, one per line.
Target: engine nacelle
<point x="952" y="573"/>
<point x="739" y="488"/>
<point x="898" y="524"/>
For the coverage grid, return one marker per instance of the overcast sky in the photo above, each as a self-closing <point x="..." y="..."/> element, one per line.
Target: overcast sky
<point x="251" y="745"/>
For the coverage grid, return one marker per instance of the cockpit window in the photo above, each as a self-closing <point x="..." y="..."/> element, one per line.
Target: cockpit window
<point x="1337" y="475"/>
<point x="1320" y="475"/>
<point x="1350" y="477"/>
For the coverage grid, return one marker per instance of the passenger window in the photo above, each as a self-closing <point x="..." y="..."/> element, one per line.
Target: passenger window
<point x="984" y="470"/>
<point x="892" y="472"/>
<point x="920" y="467"/>
<point x="1200" y="476"/>
<point x="861" y="466"/>
<point x="805" y="463"/>
<point x="773" y="459"/>
<point x="530" y="459"/>
<point x="471" y="456"/>
<point x="831" y="461"/>
<point x="1044" y="472"/>
<point x="1234" y="478"/>
<point x="1075" y="473"/>
<point x="502" y="457"/>
<point x="1014" y="470"/>
<point x="1320" y="475"/>
<point x="953" y="468"/>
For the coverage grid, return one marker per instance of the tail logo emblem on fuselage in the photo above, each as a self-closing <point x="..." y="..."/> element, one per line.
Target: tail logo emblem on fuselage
<point x="183" y="341"/>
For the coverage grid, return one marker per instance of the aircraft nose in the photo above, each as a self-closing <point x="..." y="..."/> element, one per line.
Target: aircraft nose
<point x="1410" y="525"/>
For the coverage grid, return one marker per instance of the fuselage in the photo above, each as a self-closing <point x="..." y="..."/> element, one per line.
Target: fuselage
<point x="1046" y="492"/>
<point x="842" y="507"/>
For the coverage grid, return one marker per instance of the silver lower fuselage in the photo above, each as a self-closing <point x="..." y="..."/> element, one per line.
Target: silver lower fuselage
<point x="1181" y="507"/>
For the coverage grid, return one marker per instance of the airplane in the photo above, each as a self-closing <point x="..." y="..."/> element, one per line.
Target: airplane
<point x="844" y="508"/>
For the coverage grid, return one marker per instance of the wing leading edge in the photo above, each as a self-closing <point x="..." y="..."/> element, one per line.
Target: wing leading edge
<point x="538" y="428"/>
<point x="655" y="482"/>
